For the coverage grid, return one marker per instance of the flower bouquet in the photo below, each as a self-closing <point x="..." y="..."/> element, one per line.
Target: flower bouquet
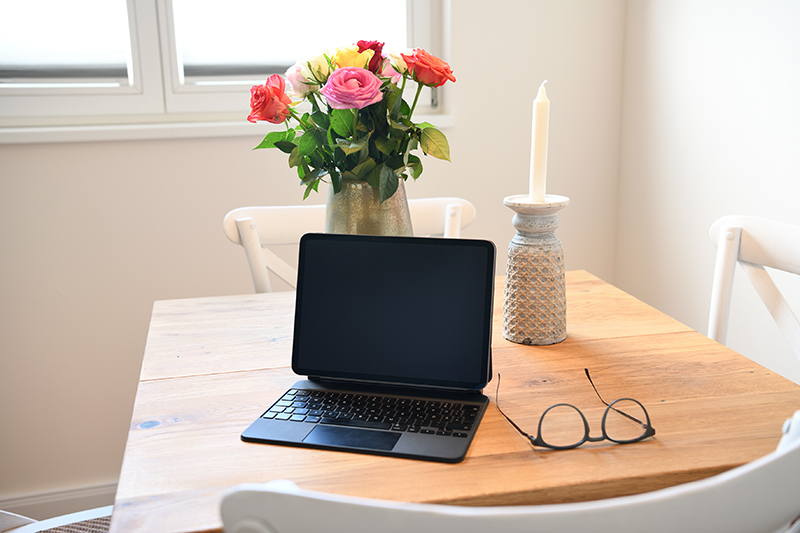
<point x="359" y="127"/>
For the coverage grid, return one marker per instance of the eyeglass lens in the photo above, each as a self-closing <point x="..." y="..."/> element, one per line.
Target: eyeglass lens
<point x="624" y="421"/>
<point x="562" y="426"/>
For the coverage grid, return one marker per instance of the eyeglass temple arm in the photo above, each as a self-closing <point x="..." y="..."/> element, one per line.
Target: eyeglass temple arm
<point x="497" y="404"/>
<point x="626" y="415"/>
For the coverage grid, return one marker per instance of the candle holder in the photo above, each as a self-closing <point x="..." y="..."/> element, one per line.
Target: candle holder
<point x="534" y="304"/>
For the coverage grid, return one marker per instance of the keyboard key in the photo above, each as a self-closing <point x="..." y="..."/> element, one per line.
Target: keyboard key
<point x="428" y="417"/>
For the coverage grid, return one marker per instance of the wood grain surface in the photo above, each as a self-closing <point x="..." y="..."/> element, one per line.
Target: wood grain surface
<point x="212" y="365"/>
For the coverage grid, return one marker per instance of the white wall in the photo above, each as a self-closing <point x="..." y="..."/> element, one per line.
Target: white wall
<point x="711" y="126"/>
<point x="93" y="233"/>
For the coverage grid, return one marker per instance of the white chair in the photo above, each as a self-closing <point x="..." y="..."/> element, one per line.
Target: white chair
<point x="758" y="497"/>
<point x="754" y="243"/>
<point x="91" y="521"/>
<point x="256" y="228"/>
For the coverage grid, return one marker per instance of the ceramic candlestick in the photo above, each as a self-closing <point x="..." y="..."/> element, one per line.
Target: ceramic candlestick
<point x="535" y="306"/>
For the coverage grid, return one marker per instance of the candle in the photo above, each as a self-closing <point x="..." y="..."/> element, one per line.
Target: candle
<point x="539" y="133"/>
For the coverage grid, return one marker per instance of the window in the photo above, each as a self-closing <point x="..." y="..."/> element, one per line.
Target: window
<point x="29" y="61"/>
<point x="165" y="62"/>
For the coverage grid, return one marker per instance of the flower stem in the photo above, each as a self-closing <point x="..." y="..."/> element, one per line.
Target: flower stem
<point x="298" y="118"/>
<point x="416" y="97"/>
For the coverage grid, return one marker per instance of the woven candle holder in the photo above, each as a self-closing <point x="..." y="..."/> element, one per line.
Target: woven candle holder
<point x="535" y="305"/>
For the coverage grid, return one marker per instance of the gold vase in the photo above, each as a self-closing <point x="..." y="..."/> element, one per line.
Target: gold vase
<point x="357" y="208"/>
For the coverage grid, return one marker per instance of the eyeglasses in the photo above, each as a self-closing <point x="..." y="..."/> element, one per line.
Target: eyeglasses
<point x="563" y="426"/>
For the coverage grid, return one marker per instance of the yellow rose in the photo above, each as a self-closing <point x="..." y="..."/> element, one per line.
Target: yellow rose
<point x="348" y="56"/>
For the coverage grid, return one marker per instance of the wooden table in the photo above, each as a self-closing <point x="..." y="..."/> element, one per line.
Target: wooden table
<point x="212" y="365"/>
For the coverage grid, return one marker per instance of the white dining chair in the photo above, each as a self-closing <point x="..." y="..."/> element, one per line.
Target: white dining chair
<point x="257" y="228"/>
<point x="754" y="243"/>
<point x="89" y="521"/>
<point x="759" y="497"/>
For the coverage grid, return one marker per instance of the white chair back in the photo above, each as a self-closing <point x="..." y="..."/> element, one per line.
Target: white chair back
<point x="257" y="228"/>
<point x="758" y="497"/>
<point x="754" y="243"/>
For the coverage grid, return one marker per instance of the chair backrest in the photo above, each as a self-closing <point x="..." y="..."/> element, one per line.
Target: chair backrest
<point x="762" y="496"/>
<point x="256" y="228"/>
<point x="754" y="243"/>
<point x="92" y="520"/>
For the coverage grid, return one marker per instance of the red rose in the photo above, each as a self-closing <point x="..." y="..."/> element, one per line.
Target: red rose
<point x="377" y="58"/>
<point x="269" y="101"/>
<point x="428" y="69"/>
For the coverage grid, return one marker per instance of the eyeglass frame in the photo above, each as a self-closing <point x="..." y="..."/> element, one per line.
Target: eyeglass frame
<point x="649" y="430"/>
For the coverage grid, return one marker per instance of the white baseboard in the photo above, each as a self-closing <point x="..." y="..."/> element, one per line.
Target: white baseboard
<point x="43" y="505"/>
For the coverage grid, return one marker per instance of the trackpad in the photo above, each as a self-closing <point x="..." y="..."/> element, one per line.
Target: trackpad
<point x="352" y="438"/>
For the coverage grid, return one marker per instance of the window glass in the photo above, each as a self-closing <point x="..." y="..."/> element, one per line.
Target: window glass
<point x="57" y="39"/>
<point x="263" y="36"/>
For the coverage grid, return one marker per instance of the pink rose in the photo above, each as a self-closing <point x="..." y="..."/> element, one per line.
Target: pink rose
<point x="297" y="78"/>
<point x="389" y="72"/>
<point x="269" y="101"/>
<point x="352" y="87"/>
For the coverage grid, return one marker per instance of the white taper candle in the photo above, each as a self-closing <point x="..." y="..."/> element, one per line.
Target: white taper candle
<point x="539" y="134"/>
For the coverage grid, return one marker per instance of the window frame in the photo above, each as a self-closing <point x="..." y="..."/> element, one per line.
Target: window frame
<point x="68" y="98"/>
<point x="157" y="104"/>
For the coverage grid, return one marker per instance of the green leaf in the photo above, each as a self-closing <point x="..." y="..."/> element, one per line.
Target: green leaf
<point x="374" y="177"/>
<point x="275" y="136"/>
<point x="352" y="147"/>
<point x="295" y="159"/>
<point x="312" y="175"/>
<point x="401" y="126"/>
<point x="414" y="166"/>
<point x="336" y="181"/>
<point x="433" y="142"/>
<point x="394" y="100"/>
<point x="388" y="183"/>
<point x="308" y="143"/>
<point x="313" y="186"/>
<point x="424" y="125"/>
<point x="322" y="120"/>
<point x="364" y="168"/>
<point x="387" y="146"/>
<point x="342" y="122"/>
<point x="285" y="146"/>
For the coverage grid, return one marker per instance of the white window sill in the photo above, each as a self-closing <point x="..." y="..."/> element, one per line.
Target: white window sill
<point x="164" y="130"/>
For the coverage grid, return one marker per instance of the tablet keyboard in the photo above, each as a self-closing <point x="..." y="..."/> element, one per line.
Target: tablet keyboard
<point x="380" y="412"/>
